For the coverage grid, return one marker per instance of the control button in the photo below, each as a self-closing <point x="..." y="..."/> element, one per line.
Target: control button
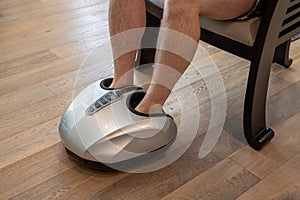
<point x="110" y="96"/>
<point x="97" y="105"/>
<point x="118" y="93"/>
<point x="91" y="109"/>
<point x="103" y="100"/>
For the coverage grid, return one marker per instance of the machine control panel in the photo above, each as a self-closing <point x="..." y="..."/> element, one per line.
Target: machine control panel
<point x="108" y="98"/>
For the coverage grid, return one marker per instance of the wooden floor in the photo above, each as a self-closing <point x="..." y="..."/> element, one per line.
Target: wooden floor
<point x="43" y="43"/>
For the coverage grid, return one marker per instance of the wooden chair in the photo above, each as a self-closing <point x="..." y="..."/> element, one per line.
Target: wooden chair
<point x="261" y="40"/>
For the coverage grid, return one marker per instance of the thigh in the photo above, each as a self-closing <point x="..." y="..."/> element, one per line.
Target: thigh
<point x="223" y="9"/>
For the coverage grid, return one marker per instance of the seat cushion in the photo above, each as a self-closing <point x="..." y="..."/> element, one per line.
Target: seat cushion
<point x="241" y="31"/>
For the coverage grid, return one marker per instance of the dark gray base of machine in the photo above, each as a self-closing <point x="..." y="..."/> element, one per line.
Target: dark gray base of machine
<point x="129" y="165"/>
<point x="90" y="164"/>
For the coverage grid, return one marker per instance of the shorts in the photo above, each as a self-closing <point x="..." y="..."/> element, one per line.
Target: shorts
<point x="254" y="12"/>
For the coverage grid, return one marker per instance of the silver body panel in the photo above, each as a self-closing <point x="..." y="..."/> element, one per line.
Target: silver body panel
<point x="114" y="133"/>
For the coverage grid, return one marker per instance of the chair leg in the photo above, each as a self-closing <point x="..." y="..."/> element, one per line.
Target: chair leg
<point x="281" y="57"/>
<point x="147" y="55"/>
<point x="255" y="130"/>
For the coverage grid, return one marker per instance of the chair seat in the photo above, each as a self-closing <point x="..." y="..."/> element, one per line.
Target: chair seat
<point x="241" y="31"/>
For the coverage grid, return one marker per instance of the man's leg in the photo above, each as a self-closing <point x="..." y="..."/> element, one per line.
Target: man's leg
<point x="123" y="16"/>
<point x="183" y="16"/>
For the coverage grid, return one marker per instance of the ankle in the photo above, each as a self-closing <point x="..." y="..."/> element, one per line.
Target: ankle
<point x="149" y="108"/>
<point x="117" y="83"/>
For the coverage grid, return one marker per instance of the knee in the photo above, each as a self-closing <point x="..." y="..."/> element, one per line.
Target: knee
<point x="178" y="7"/>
